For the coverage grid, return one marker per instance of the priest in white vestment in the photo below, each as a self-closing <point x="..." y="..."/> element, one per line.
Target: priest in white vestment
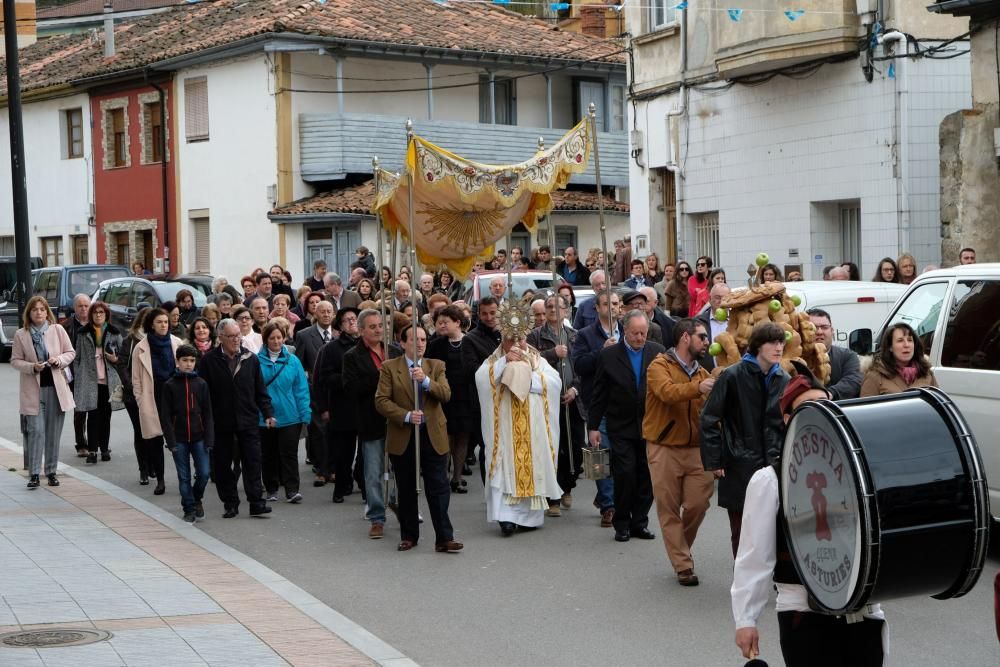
<point x="519" y="395"/>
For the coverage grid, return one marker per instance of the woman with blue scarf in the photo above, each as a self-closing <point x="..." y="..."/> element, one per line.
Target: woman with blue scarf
<point x="41" y="354"/>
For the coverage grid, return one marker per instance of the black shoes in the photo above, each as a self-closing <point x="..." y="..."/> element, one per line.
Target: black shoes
<point x="106" y="456"/>
<point x="643" y="534"/>
<point x="260" y="510"/>
<point x="53" y="480"/>
<point x="92" y="457"/>
<point x="338" y="499"/>
<point x="507" y="528"/>
<point x="230" y="512"/>
<point x="143" y="480"/>
<point x="199" y="511"/>
<point x="33" y="482"/>
<point x="160" y="489"/>
<point x="621" y="536"/>
<point x="457" y="487"/>
<point x="189" y="517"/>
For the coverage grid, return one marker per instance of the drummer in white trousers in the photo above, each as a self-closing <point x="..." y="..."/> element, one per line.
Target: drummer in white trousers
<point x="807" y="638"/>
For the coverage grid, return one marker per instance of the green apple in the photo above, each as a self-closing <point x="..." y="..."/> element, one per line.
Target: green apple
<point x="715" y="349"/>
<point x="797" y="300"/>
<point x="721" y="314"/>
<point x="762" y="259"/>
<point x="788" y="336"/>
<point x="774" y="306"/>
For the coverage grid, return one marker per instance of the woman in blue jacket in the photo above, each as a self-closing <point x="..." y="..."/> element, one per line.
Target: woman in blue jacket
<point x="289" y="390"/>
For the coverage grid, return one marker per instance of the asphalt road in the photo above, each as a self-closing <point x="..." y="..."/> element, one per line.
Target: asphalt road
<point x="567" y="594"/>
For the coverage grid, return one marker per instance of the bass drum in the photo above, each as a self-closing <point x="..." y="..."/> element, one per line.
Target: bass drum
<point x="883" y="498"/>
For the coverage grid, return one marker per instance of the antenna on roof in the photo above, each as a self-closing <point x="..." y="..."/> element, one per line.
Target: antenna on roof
<point x="109" y="29"/>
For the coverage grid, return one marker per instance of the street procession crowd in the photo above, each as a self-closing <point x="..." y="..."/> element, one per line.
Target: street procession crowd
<point x="230" y="389"/>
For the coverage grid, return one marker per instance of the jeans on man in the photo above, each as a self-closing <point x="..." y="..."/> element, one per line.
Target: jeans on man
<point x="374" y="462"/>
<point x="605" y="498"/>
<point x="183" y="453"/>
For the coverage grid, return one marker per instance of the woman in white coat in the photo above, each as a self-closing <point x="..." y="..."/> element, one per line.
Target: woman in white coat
<point x="41" y="353"/>
<point x="153" y="363"/>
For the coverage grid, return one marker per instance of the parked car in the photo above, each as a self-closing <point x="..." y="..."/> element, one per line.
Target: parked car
<point x="58" y="284"/>
<point x="199" y="281"/>
<point x="8" y="274"/>
<point x="523" y="280"/>
<point x="125" y="295"/>
<point x="956" y="314"/>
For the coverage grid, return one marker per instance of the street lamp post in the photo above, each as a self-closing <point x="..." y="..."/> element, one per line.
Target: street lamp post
<point x="19" y="186"/>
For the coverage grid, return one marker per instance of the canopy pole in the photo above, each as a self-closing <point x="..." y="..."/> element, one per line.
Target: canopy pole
<point x="386" y="330"/>
<point x="552" y="233"/>
<point x="592" y="118"/>
<point x="416" y="317"/>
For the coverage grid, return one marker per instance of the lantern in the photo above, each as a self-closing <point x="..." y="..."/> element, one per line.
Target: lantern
<point x="596" y="463"/>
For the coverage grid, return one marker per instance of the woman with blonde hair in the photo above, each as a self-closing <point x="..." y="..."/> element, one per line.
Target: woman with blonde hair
<point x="907" y="268"/>
<point x="654" y="273"/>
<point x="212" y="313"/>
<point x="41" y="353"/>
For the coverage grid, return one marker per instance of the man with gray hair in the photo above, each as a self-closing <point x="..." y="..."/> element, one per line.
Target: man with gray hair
<point x="239" y="400"/>
<point x="713" y="325"/>
<point x="337" y="295"/>
<point x="657" y="316"/>
<point x="400" y="294"/>
<point x="620" y="396"/>
<point x="586" y="314"/>
<point x="73" y="324"/>
<point x="839" y="273"/>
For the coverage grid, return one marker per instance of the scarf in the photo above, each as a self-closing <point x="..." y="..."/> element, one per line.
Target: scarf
<point x="38" y="339"/>
<point x="99" y="334"/>
<point x="203" y="346"/>
<point x="908" y="373"/>
<point x="162" y="356"/>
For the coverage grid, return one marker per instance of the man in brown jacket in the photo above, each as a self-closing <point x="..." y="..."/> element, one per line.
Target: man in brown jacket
<point x="676" y="387"/>
<point x="394" y="400"/>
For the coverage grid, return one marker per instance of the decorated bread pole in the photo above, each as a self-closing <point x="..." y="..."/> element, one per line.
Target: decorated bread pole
<point x="762" y="302"/>
<point x="412" y="245"/>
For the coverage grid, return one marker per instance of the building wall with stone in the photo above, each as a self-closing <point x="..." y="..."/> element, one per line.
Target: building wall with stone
<point x="129" y="192"/>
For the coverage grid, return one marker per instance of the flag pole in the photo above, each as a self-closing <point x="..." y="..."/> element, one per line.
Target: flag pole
<point x="416" y="317"/>
<point x="592" y="118"/>
<point x="386" y="331"/>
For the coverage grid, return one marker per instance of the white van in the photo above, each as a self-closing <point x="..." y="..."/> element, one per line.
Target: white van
<point x="956" y="313"/>
<point x="851" y="304"/>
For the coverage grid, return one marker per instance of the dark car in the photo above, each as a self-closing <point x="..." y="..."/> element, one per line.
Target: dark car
<point x="59" y="285"/>
<point x="125" y="295"/>
<point x="201" y="282"/>
<point x="8" y="274"/>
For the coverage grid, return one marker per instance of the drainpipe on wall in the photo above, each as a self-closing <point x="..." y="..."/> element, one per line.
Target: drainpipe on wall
<point x="109" y="30"/>
<point x="900" y="138"/>
<point x="163" y="172"/>
<point x="673" y="164"/>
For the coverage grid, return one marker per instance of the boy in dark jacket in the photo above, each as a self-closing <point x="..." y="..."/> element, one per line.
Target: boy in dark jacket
<point x="186" y="420"/>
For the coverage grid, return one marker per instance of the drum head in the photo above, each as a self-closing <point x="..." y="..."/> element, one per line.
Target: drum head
<point x="821" y="503"/>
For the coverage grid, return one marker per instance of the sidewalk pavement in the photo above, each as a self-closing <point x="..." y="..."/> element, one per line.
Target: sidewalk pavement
<point x="76" y="556"/>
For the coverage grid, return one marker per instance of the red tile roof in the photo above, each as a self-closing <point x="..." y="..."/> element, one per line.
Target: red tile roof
<point x="356" y="199"/>
<point x="95" y="7"/>
<point x="189" y="29"/>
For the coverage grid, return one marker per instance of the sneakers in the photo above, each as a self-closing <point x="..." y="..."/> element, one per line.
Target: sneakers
<point x="272" y="497"/>
<point x="553" y="510"/>
<point x="106" y="456"/>
<point x="189" y="517"/>
<point x="199" y="511"/>
<point x="33" y="482"/>
<point x="687" y="577"/>
<point x="607" y="518"/>
<point x="566" y="501"/>
<point x="295" y="498"/>
<point x="92" y="457"/>
<point x="376" y="532"/>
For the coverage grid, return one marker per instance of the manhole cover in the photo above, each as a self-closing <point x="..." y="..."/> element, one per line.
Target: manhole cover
<point x="53" y="638"/>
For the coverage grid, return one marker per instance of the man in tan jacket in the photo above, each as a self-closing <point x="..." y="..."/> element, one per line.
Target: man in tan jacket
<point x="395" y="401"/>
<point x="676" y="387"/>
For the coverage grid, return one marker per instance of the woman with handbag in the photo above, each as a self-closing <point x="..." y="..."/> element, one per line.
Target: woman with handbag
<point x="97" y="389"/>
<point x="41" y="353"/>
<point x="153" y="363"/>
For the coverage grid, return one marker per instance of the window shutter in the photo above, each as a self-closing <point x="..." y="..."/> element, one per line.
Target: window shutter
<point x="201" y="245"/>
<point x="196" y="108"/>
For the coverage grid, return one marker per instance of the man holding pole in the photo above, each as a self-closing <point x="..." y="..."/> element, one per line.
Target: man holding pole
<point x="405" y="382"/>
<point x="554" y="342"/>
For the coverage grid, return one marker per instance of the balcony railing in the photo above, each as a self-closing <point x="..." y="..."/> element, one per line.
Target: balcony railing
<point x="333" y="145"/>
